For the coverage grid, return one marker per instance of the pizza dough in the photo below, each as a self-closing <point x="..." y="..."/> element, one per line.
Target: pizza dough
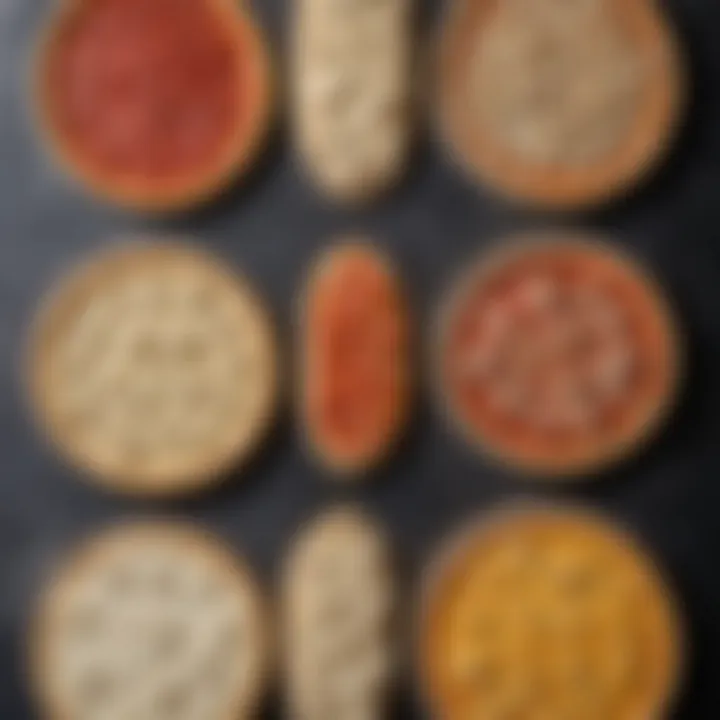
<point x="559" y="102"/>
<point x="355" y="358"/>
<point x="557" y="354"/>
<point x="338" y="609"/>
<point x="352" y="81"/>
<point x="150" y="621"/>
<point x="154" y="367"/>
<point x="155" y="106"/>
<point x="547" y="614"/>
<point x="556" y="82"/>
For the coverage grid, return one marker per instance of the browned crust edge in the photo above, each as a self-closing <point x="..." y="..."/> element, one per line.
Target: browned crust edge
<point x="607" y="455"/>
<point x="646" y="145"/>
<point x="350" y="469"/>
<point x="218" y="553"/>
<point x="242" y="151"/>
<point x="215" y="469"/>
<point x="457" y="541"/>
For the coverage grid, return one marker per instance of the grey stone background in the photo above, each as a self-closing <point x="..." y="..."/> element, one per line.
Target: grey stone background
<point x="271" y="226"/>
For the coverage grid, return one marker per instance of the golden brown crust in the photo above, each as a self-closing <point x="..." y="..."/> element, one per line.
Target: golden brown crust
<point x="502" y="527"/>
<point x="241" y="152"/>
<point x="648" y="138"/>
<point x="76" y="289"/>
<point x="91" y="555"/>
<point x="351" y="467"/>
<point x="601" y="454"/>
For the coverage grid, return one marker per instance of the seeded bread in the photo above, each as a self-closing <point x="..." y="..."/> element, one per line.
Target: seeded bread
<point x="352" y="85"/>
<point x="338" y="611"/>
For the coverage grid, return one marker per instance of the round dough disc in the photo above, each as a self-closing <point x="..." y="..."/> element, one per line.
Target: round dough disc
<point x="153" y="367"/>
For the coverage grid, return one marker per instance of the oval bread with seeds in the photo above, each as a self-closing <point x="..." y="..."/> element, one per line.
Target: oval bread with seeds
<point x="352" y="86"/>
<point x="338" y="606"/>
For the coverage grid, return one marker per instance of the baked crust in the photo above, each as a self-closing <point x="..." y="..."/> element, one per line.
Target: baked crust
<point x="167" y="196"/>
<point x="197" y="550"/>
<point x="352" y="465"/>
<point x="462" y="553"/>
<point x="647" y="139"/>
<point x="648" y="419"/>
<point x="152" y="259"/>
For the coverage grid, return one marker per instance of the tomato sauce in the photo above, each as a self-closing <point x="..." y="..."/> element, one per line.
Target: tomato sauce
<point x="356" y="344"/>
<point x="519" y="431"/>
<point x="146" y="88"/>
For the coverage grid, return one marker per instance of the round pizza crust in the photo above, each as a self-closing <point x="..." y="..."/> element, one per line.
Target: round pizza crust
<point x="242" y="149"/>
<point x="605" y="454"/>
<point x="242" y="334"/>
<point x="655" y="124"/>
<point x="442" y="568"/>
<point x="184" y="552"/>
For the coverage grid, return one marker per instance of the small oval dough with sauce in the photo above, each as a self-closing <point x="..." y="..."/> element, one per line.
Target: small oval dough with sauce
<point x="355" y="358"/>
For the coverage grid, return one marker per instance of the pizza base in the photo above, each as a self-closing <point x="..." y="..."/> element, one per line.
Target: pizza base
<point x="613" y="173"/>
<point x="478" y="533"/>
<point x="606" y="454"/>
<point x="198" y="552"/>
<point x="127" y="260"/>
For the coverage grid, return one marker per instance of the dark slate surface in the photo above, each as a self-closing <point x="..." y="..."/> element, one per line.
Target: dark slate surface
<point x="272" y="226"/>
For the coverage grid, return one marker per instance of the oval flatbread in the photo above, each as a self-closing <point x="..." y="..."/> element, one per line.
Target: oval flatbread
<point x="338" y="606"/>
<point x="351" y="78"/>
